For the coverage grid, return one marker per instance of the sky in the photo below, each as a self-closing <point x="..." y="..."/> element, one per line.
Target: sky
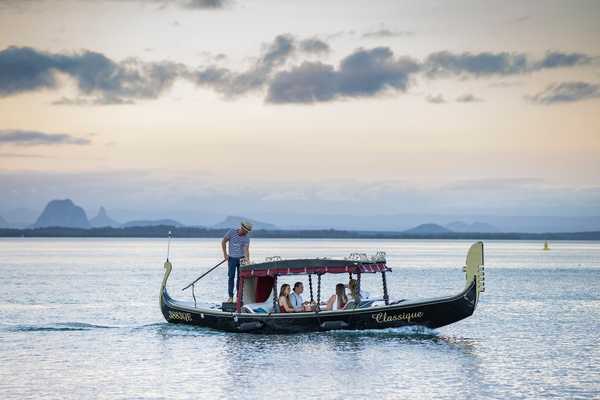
<point x="197" y="109"/>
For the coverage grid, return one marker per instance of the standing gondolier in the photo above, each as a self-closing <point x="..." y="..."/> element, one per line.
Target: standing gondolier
<point x="239" y="248"/>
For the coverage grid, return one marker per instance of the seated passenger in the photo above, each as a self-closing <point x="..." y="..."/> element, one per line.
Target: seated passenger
<point x="357" y="295"/>
<point x="296" y="298"/>
<point x="285" y="305"/>
<point x="339" y="300"/>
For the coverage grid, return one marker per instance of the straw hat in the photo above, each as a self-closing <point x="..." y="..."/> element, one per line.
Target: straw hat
<point x="247" y="226"/>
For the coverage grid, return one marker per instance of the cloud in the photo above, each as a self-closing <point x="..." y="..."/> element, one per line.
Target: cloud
<point x="99" y="101"/>
<point x="363" y="73"/>
<point x="278" y="52"/>
<point x="468" y="98"/>
<point x="445" y="63"/>
<point x="233" y="83"/>
<point x="437" y="99"/>
<point x="308" y="83"/>
<point x="385" y="33"/>
<point x="203" y="4"/>
<point x="314" y="46"/>
<point x="34" y="138"/>
<point x="566" y="92"/>
<point x="339" y="34"/>
<point x="25" y="69"/>
<point x="556" y="59"/>
<point x="275" y="55"/>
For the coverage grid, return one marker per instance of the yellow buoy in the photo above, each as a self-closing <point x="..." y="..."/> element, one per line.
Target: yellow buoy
<point x="546" y="247"/>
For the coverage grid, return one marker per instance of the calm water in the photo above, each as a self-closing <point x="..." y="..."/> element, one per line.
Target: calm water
<point x="79" y="318"/>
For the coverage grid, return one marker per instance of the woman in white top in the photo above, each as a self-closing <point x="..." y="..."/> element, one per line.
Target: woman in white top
<point x="338" y="300"/>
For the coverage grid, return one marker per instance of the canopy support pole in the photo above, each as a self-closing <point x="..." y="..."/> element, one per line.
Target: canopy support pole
<point x="310" y="287"/>
<point x="275" y="293"/>
<point x="358" y="296"/>
<point x="386" y="299"/>
<point x="318" y="291"/>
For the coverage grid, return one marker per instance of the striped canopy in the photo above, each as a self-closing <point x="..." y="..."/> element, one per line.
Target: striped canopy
<point x="311" y="266"/>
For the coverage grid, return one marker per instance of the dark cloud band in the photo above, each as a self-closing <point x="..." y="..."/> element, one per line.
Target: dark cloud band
<point x="363" y="73"/>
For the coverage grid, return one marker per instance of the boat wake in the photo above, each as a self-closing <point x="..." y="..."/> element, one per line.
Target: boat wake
<point x="405" y="331"/>
<point x="54" y="327"/>
<point x="160" y="327"/>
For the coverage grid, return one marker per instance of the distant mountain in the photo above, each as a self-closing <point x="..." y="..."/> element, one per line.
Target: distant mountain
<point x="3" y="223"/>
<point x="304" y="219"/>
<point x="233" y="221"/>
<point x="62" y="213"/>
<point x="167" y="222"/>
<point x="427" y="229"/>
<point x="475" y="227"/>
<point x="102" y="219"/>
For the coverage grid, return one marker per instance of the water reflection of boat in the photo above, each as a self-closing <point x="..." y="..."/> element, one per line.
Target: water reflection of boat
<point x="257" y="310"/>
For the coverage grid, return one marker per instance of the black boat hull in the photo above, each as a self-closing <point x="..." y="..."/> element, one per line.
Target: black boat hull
<point x="433" y="313"/>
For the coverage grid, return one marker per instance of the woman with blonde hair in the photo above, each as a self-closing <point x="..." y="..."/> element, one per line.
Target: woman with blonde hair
<point x="339" y="300"/>
<point x="285" y="304"/>
<point x="355" y="292"/>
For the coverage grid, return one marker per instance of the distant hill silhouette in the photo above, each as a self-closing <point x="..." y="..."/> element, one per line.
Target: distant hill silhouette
<point x="62" y="213"/>
<point x="3" y="223"/>
<point x="157" y="222"/>
<point x="233" y="221"/>
<point x="478" y="227"/>
<point x="102" y="219"/>
<point x="427" y="229"/>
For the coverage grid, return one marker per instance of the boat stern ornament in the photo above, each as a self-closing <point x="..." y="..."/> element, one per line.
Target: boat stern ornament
<point x="474" y="268"/>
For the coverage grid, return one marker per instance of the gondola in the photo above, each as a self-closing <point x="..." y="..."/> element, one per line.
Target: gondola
<point x="256" y="309"/>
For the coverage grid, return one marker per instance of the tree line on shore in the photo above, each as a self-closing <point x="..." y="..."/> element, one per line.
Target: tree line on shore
<point x="161" y="231"/>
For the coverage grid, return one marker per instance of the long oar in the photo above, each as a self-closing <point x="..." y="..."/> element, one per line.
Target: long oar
<point x="204" y="274"/>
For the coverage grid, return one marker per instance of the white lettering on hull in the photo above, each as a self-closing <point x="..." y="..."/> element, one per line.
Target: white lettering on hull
<point x="383" y="317"/>
<point x="180" y="316"/>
